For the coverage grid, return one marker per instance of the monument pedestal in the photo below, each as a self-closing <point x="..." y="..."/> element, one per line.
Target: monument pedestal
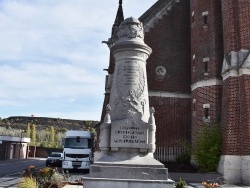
<point x="123" y="183"/>
<point x="127" y="170"/>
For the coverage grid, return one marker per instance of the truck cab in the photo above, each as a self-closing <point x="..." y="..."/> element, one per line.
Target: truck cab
<point x="78" y="152"/>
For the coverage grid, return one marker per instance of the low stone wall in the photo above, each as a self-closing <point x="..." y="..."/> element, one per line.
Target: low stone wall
<point x="44" y="152"/>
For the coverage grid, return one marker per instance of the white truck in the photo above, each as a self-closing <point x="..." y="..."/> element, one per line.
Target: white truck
<point x="78" y="152"/>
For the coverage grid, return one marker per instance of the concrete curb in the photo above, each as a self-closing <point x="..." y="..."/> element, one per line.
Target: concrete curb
<point x="196" y="177"/>
<point x="73" y="186"/>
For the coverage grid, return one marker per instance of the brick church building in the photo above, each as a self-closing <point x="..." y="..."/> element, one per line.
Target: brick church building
<point x="198" y="73"/>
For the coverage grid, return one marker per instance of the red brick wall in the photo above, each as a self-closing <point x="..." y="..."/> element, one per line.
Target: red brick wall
<point x="244" y="23"/>
<point x="170" y="42"/>
<point x="245" y="113"/>
<point x="236" y="115"/>
<point x="236" y="24"/>
<point x="235" y="112"/>
<point x="172" y="118"/>
<point x="231" y="117"/>
<point x="206" y="41"/>
<point x="205" y="95"/>
<point x="230" y="26"/>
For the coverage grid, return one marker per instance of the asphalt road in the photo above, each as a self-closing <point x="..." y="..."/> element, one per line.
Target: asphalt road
<point x="11" y="170"/>
<point x="18" y="166"/>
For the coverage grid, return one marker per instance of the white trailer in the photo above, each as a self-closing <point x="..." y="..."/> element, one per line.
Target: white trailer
<point x="78" y="152"/>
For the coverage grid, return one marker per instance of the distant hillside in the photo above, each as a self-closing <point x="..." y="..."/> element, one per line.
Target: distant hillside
<point x="20" y="122"/>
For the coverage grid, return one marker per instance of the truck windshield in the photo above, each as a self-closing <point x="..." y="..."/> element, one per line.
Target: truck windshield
<point x="76" y="142"/>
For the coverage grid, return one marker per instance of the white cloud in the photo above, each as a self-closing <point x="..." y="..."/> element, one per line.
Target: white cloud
<point x="51" y="56"/>
<point x="38" y="80"/>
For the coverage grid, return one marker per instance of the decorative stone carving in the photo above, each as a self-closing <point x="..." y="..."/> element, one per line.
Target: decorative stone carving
<point x="131" y="28"/>
<point x="151" y="118"/>
<point x="107" y="118"/>
<point x="130" y="80"/>
<point x="246" y="63"/>
<point x="235" y="60"/>
<point x="127" y="54"/>
<point x="151" y="131"/>
<point x="105" y="131"/>
<point x="130" y="85"/>
<point x="160" y="72"/>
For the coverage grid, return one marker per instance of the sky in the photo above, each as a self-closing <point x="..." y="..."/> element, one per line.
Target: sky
<point x="52" y="58"/>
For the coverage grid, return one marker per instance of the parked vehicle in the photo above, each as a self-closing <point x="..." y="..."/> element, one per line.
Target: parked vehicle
<point x="78" y="152"/>
<point x="54" y="159"/>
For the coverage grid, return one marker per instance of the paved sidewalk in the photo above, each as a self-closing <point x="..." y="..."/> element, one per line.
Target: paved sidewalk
<point x="193" y="180"/>
<point x="189" y="185"/>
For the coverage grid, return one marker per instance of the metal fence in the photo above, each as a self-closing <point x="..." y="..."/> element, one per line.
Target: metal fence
<point x="167" y="154"/>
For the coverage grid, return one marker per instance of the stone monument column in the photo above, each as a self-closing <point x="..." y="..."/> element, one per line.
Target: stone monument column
<point x="129" y="93"/>
<point x="127" y="135"/>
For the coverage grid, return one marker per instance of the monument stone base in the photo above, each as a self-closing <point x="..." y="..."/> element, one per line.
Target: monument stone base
<point x="127" y="170"/>
<point x="125" y="183"/>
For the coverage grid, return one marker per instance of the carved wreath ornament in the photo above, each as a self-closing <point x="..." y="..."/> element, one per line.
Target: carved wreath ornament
<point x="130" y="93"/>
<point x="131" y="28"/>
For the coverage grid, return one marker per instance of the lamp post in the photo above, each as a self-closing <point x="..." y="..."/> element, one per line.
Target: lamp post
<point x="20" y="144"/>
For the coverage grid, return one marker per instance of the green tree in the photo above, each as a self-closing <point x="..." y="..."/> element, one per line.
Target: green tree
<point x="208" y="148"/>
<point x="33" y="134"/>
<point x="44" y="140"/>
<point x="28" y="130"/>
<point x="185" y="156"/>
<point x="56" y="140"/>
<point x="52" y="136"/>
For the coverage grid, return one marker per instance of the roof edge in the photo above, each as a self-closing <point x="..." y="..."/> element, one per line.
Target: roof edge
<point x="153" y="10"/>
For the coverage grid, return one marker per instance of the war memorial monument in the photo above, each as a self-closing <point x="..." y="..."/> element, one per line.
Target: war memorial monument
<point x="127" y="135"/>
